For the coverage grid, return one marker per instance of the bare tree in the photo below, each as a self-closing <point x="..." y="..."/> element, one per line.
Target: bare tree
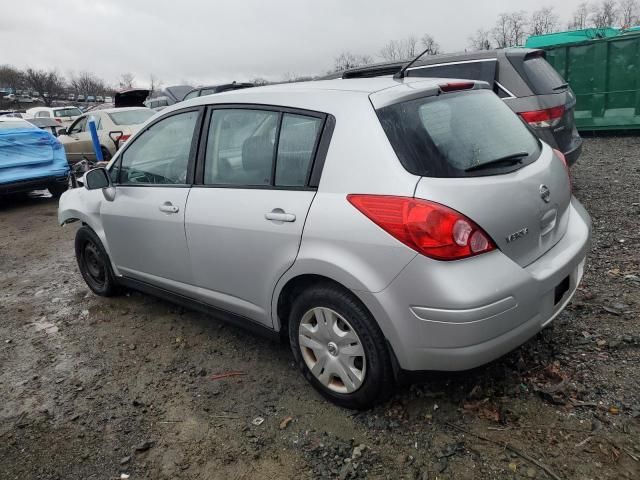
<point x="604" y="14"/>
<point x="11" y="77"/>
<point x="347" y="60"/>
<point x="629" y="11"/>
<point x="430" y="45"/>
<point x="86" y="83"/>
<point x="44" y="81"/>
<point x="543" y="21"/>
<point x="481" y="40"/>
<point x="501" y="31"/>
<point x="392" y="51"/>
<point x="126" y="81"/>
<point x="580" y="17"/>
<point x="154" y="84"/>
<point x="518" y="26"/>
<point x="410" y="46"/>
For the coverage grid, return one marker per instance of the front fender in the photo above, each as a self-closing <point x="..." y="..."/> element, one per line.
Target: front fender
<point x="80" y="204"/>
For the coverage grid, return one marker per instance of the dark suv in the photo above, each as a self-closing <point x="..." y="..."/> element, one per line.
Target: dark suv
<point x="526" y="82"/>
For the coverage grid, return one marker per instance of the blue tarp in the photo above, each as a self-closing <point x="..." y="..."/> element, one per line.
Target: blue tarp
<point x="29" y="154"/>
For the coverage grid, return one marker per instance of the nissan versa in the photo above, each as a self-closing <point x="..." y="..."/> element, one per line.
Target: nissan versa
<point x="381" y="225"/>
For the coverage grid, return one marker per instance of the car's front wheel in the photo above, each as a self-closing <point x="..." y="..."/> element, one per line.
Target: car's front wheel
<point x="339" y="347"/>
<point x="94" y="263"/>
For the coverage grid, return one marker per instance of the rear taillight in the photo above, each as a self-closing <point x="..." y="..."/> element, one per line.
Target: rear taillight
<point x="429" y="228"/>
<point x="566" y="166"/>
<point x="59" y="121"/>
<point x="455" y="86"/>
<point x="549" y="117"/>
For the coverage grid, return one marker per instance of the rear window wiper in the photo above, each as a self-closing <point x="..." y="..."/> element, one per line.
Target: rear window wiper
<point x="562" y="86"/>
<point x="511" y="159"/>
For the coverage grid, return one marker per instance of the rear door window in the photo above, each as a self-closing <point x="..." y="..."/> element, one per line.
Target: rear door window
<point x="542" y="77"/>
<point x="458" y="135"/>
<point x="298" y="138"/>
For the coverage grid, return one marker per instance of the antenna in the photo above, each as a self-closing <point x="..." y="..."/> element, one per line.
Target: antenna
<point x="400" y="74"/>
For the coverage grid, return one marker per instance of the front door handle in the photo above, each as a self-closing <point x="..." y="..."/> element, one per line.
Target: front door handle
<point x="167" y="207"/>
<point x="279" y="215"/>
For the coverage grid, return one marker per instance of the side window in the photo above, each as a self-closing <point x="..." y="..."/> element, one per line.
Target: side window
<point x="477" y="70"/>
<point x="240" y="147"/>
<point x="160" y="155"/>
<point x="98" y="121"/>
<point x="43" y="114"/>
<point x="79" y="126"/>
<point x="298" y="138"/>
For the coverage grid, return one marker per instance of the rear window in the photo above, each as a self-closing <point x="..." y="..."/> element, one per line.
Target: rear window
<point x="458" y="135"/>
<point x="131" y="117"/>
<point x="67" y="112"/>
<point x="542" y="77"/>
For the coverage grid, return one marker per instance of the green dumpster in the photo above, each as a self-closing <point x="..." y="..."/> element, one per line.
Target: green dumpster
<point x="603" y="68"/>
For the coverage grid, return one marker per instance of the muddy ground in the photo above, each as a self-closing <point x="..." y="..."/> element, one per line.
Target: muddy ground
<point x="93" y="388"/>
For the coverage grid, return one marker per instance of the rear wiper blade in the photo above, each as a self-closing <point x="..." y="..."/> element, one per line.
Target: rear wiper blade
<point x="561" y="86"/>
<point x="511" y="159"/>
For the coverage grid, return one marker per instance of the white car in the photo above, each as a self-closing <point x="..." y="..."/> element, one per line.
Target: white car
<point x="108" y="99"/>
<point x="63" y="115"/>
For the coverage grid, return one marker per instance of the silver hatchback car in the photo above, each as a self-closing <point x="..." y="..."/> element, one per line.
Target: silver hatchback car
<point x="379" y="225"/>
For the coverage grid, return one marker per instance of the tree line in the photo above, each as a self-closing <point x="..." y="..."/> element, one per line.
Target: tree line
<point x="55" y="85"/>
<point x="510" y="29"/>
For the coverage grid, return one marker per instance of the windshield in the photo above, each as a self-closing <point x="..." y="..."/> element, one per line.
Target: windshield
<point x="14" y="124"/>
<point x="454" y="134"/>
<point x="131" y="117"/>
<point x="67" y="112"/>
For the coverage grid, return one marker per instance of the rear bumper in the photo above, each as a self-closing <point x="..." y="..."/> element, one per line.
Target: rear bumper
<point x="573" y="154"/>
<point x="459" y="315"/>
<point x="34" y="183"/>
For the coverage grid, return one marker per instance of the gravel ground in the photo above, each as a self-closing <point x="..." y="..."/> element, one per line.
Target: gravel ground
<point x="95" y="388"/>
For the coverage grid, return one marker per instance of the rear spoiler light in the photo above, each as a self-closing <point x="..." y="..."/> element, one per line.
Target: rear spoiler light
<point x="456" y="86"/>
<point x="548" y="117"/>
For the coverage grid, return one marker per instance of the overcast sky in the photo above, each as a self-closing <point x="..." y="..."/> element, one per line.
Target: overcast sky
<point x="203" y="42"/>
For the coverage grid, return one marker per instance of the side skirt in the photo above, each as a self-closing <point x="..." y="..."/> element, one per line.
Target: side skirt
<point x="190" y="303"/>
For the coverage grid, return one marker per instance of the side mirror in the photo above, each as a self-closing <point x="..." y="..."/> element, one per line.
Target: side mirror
<point x="62" y="131"/>
<point x="99" y="179"/>
<point x="96" y="179"/>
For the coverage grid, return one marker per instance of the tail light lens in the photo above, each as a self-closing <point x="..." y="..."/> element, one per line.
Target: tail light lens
<point x="455" y="86"/>
<point x="59" y="121"/>
<point x="561" y="156"/>
<point x="122" y="139"/>
<point x="429" y="228"/>
<point x="549" y="117"/>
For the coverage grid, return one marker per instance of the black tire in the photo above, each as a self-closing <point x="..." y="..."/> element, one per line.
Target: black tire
<point x="57" y="189"/>
<point x="378" y="383"/>
<point x="94" y="263"/>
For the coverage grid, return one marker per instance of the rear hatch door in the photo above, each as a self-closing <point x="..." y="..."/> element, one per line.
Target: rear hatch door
<point x="134" y="97"/>
<point x="474" y="155"/>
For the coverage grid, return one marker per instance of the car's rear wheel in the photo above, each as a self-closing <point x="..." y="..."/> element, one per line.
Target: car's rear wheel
<point x="339" y="347"/>
<point x="94" y="263"/>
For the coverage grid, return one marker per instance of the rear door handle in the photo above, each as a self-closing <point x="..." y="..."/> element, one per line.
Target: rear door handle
<point x="279" y="215"/>
<point x="167" y="207"/>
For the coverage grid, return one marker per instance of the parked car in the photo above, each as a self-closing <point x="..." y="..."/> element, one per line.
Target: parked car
<point x="81" y="98"/>
<point x="210" y="90"/>
<point x="108" y="99"/>
<point x="114" y="127"/>
<point x="30" y="159"/>
<point x="71" y="97"/>
<point x="521" y="77"/>
<point x="63" y="115"/>
<point x="48" y="124"/>
<point x="132" y="97"/>
<point x="157" y="103"/>
<point x="380" y="225"/>
<point x="25" y="99"/>
<point x="99" y="98"/>
<point x="91" y="98"/>
<point x="12" y="113"/>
